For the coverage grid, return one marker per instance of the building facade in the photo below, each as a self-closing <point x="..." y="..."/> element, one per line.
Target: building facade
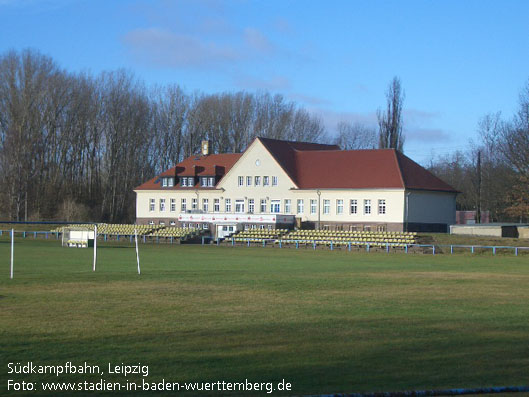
<point x="285" y="184"/>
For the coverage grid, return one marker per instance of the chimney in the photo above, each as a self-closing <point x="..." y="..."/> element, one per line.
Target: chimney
<point x="206" y="148"/>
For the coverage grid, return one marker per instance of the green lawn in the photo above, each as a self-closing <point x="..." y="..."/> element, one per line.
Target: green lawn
<point x="327" y="322"/>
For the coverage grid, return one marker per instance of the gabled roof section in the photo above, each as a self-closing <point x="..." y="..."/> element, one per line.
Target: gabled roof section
<point x="363" y="169"/>
<point x="417" y="177"/>
<point x="348" y="169"/>
<point x="319" y="166"/>
<point x="212" y="165"/>
<point x="284" y="152"/>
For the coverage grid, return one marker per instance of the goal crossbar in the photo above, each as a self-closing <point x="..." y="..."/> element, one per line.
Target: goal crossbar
<point x="12" y="232"/>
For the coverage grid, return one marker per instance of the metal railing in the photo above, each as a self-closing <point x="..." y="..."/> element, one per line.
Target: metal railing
<point x="370" y="246"/>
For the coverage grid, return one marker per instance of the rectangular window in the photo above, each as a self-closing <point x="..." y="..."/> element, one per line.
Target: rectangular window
<point x="275" y="206"/>
<point x="183" y="205"/>
<point x="367" y="207"/>
<point x="287" y="206"/>
<point x="205" y="205"/>
<point x="216" y="205"/>
<point x="227" y="204"/>
<point x="167" y="182"/>
<point x="339" y="206"/>
<point x="204" y="181"/>
<point x="194" y="204"/>
<point x="251" y="206"/>
<point x="248" y="181"/>
<point x="263" y="206"/>
<point x="239" y="206"/>
<point x="354" y="206"/>
<point x="313" y="206"/>
<point x="300" y="206"/>
<point x="173" y="205"/>
<point x="326" y="207"/>
<point x="274" y="181"/>
<point x="152" y="205"/>
<point x="162" y="205"/>
<point x="241" y="180"/>
<point x="191" y="181"/>
<point x="381" y="207"/>
<point x="257" y="180"/>
<point x="211" y="181"/>
<point x="183" y="182"/>
<point x="266" y="180"/>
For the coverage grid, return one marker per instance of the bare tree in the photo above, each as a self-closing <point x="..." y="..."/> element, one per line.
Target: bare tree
<point x="76" y="145"/>
<point x="355" y="136"/>
<point x="390" y="120"/>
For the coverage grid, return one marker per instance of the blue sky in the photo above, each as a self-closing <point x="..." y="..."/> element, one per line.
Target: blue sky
<point x="457" y="60"/>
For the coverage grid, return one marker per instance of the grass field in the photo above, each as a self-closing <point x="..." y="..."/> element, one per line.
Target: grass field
<point x="327" y="322"/>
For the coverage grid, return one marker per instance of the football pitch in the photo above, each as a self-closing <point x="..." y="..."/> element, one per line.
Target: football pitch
<point x="321" y="321"/>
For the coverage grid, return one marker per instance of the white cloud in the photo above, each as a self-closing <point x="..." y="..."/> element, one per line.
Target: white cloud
<point x="168" y="49"/>
<point x="257" y="41"/>
<point x="427" y="135"/>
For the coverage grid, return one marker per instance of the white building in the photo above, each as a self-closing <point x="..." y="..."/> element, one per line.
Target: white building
<point x="280" y="183"/>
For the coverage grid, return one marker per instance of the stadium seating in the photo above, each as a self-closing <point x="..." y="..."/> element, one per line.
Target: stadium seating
<point x="337" y="238"/>
<point x="258" y="235"/>
<point x="356" y="238"/>
<point x="159" y="231"/>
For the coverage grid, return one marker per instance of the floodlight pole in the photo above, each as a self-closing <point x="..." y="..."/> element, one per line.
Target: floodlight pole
<point x="12" y="249"/>
<point x="95" y="248"/>
<point x="137" y="254"/>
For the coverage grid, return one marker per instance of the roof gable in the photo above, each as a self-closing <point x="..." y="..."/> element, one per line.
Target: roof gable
<point x="284" y="152"/>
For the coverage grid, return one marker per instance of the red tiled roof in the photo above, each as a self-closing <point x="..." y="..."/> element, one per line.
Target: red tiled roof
<point x="320" y="166"/>
<point x="284" y="152"/>
<point x="362" y="169"/>
<point x="211" y="165"/>
<point x="417" y="177"/>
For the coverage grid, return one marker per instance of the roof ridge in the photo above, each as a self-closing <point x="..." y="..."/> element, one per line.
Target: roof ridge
<point x="294" y="142"/>
<point x="399" y="167"/>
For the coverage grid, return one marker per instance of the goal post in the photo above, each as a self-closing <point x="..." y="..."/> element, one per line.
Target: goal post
<point x="73" y="234"/>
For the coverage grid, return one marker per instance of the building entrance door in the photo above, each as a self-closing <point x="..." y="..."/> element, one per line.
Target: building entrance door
<point x="224" y="231"/>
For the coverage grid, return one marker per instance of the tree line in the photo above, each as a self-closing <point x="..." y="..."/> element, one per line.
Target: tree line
<point x="74" y="145"/>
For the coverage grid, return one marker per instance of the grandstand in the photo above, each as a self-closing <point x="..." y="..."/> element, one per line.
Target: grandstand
<point x="260" y="235"/>
<point x="109" y="230"/>
<point x="336" y="238"/>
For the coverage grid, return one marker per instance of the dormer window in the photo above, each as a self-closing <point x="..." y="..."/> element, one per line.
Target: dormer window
<point x="207" y="181"/>
<point x="190" y="181"/>
<point x="167" y="182"/>
<point x="183" y="182"/>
